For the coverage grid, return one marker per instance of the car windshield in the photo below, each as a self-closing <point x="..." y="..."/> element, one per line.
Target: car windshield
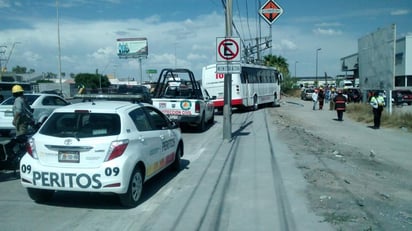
<point x="81" y="125"/>
<point x="29" y="98"/>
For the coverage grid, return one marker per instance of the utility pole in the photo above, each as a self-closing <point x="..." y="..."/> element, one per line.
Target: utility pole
<point x="58" y="44"/>
<point x="227" y="95"/>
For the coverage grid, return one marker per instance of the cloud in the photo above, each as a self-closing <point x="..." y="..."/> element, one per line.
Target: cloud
<point x="327" y="31"/>
<point x="288" y="44"/>
<point x="399" y="12"/>
<point x="328" y="24"/>
<point x="4" y="4"/>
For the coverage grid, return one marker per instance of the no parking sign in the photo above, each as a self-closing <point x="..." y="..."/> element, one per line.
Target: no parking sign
<point x="228" y="50"/>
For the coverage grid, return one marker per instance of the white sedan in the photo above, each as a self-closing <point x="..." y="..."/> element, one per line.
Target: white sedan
<point x="102" y="146"/>
<point x="41" y="104"/>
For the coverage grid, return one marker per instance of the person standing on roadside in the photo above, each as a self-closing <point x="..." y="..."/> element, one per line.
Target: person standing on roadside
<point x="315" y="98"/>
<point x="327" y="95"/>
<point x="340" y="104"/>
<point x="377" y="102"/>
<point x="22" y="114"/>
<point x="321" y="98"/>
<point x="331" y="102"/>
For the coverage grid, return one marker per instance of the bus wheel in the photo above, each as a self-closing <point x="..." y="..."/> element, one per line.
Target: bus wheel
<point x="275" y="101"/>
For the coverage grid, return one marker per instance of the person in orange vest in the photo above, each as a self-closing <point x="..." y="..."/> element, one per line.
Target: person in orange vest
<point x="340" y="104"/>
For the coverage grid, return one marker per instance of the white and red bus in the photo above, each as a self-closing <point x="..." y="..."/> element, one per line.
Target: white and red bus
<point x="255" y="85"/>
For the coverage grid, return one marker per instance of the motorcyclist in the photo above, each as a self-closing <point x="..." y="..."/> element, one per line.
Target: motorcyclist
<point x="22" y="113"/>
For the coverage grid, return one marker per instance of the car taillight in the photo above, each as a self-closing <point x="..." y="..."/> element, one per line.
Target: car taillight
<point x="116" y="149"/>
<point x="31" y="148"/>
<point x="197" y="107"/>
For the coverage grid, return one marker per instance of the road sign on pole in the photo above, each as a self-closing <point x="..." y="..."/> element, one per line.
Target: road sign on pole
<point x="228" y="68"/>
<point x="270" y="11"/>
<point x="228" y="49"/>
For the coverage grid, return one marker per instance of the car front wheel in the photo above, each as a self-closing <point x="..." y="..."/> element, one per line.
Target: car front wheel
<point x="131" y="198"/>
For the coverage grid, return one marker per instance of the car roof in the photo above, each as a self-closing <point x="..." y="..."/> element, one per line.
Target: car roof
<point x="101" y="106"/>
<point x="31" y="94"/>
<point x="39" y="94"/>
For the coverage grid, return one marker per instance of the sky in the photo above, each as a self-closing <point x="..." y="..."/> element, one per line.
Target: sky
<point x="183" y="33"/>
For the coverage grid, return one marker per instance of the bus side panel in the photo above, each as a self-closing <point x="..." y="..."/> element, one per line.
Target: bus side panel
<point x="263" y="82"/>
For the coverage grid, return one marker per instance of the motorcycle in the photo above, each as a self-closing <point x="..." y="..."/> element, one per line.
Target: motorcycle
<point x="11" y="151"/>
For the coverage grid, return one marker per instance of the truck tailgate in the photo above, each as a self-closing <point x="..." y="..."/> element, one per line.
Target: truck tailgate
<point x="175" y="108"/>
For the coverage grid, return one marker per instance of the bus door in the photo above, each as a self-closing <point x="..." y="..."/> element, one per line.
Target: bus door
<point x="244" y="83"/>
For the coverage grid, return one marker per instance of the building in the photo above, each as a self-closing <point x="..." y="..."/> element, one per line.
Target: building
<point x="402" y="64"/>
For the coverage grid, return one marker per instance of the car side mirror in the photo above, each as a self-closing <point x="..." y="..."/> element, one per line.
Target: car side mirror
<point x="174" y="125"/>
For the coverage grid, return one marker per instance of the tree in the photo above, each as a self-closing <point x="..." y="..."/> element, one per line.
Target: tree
<point x="279" y="62"/>
<point x="19" y="70"/>
<point x="92" y="81"/>
<point x="282" y="66"/>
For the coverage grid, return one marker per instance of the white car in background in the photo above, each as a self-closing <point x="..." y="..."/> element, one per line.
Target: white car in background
<point x="102" y="146"/>
<point x="41" y="104"/>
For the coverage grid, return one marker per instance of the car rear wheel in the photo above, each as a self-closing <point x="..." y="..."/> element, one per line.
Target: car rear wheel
<point x="131" y="198"/>
<point x="177" y="165"/>
<point x="40" y="195"/>
<point x="202" y="125"/>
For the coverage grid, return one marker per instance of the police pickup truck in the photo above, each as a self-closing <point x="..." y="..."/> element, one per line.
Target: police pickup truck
<point x="178" y="95"/>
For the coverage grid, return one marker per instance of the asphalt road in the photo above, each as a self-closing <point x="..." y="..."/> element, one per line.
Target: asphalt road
<point x="248" y="183"/>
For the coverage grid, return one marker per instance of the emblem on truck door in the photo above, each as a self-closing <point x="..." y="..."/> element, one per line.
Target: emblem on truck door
<point x="185" y="105"/>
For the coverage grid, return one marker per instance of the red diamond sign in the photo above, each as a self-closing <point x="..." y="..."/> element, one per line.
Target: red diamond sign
<point x="270" y="11"/>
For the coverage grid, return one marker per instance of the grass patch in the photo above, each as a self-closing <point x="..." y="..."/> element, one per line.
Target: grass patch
<point x="363" y="113"/>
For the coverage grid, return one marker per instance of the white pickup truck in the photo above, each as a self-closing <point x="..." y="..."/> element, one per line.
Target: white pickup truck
<point x="178" y="95"/>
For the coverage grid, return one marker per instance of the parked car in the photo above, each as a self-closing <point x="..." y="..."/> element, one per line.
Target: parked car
<point x="55" y="92"/>
<point x="353" y="94"/>
<point x="41" y="104"/>
<point x="306" y="94"/>
<point x="100" y="146"/>
<point x="401" y="96"/>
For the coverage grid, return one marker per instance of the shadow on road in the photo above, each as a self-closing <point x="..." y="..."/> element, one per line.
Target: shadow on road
<point x="8" y="175"/>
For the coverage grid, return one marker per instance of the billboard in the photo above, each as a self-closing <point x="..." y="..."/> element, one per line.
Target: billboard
<point x="377" y="59"/>
<point x="132" y="47"/>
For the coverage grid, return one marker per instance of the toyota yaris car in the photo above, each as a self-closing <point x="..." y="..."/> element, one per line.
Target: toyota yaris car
<point x="103" y="146"/>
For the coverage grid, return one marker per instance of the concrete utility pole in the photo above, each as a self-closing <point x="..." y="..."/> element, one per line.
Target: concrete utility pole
<point x="58" y="44"/>
<point x="227" y="107"/>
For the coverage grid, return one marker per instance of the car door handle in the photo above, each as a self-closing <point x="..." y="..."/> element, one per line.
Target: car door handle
<point x="162" y="137"/>
<point x="141" y="138"/>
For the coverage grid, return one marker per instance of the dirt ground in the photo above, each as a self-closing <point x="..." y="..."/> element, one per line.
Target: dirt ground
<point x="359" y="178"/>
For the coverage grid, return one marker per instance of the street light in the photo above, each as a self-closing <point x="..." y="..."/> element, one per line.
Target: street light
<point x="317" y="54"/>
<point x="295" y="68"/>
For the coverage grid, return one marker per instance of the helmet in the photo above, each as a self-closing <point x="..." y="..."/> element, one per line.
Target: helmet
<point x="16" y="89"/>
